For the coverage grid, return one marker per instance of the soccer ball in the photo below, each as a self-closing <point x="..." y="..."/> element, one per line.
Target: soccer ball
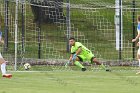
<point x="138" y="72"/>
<point x="27" y="66"/>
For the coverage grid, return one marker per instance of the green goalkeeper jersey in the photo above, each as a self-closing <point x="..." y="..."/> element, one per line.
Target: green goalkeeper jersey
<point x="77" y="45"/>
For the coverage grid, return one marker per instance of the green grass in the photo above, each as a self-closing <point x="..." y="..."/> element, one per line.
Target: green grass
<point x="71" y="82"/>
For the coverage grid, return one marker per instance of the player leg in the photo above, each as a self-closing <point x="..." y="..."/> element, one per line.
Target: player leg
<point x="99" y="63"/>
<point x="3" y="67"/>
<point x="94" y="59"/>
<point x="77" y="63"/>
<point x="138" y="56"/>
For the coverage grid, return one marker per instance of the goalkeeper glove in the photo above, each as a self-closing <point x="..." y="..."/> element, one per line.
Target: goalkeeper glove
<point x="67" y="63"/>
<point x="74" y="57"/>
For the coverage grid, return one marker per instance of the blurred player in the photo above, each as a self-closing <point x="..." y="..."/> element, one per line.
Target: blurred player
<point x="80" y="53"/>
<point x="138" y="72"/>
<point x="2" y="61"/>
<point x="138" y="38"/>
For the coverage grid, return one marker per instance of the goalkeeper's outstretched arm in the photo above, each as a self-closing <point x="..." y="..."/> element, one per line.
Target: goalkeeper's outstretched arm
<point x="70" y="59"/>
<point x="79" y="51"/>
<point x="137" y="37"/>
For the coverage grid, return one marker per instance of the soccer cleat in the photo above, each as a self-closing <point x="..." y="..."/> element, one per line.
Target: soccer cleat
<point x="83" y="69"/>
<point x="7" y="75"/>
<point x="108" y="70"/>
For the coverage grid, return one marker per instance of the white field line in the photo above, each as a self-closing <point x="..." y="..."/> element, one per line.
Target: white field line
<point x="72" y="75"/>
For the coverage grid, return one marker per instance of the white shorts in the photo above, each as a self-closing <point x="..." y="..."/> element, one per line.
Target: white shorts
<point x="1" y="56"/>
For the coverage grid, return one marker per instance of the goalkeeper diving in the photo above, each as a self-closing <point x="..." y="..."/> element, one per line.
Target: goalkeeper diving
<point x="80" y="53"/>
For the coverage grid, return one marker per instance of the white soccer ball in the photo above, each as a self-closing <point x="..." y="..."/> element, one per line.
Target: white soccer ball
<point x="27" y="66"/>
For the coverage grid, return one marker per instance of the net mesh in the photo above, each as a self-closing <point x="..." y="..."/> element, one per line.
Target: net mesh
<point x="43" y="26"/>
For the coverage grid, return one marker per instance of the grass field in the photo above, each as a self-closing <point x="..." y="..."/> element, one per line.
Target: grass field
<point x="71" y="82"/>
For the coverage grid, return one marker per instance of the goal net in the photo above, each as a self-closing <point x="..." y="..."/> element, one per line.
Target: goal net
<point x="44" y="27"/>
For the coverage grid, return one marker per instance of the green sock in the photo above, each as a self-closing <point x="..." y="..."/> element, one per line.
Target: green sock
<point x="78" y="64"/>
<point x="103" y="66"/>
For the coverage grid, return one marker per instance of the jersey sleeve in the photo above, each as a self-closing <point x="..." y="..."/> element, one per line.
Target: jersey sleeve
<point x="138" y="27"/>
<point x="75" y="48"/>
<point x="78" y="45"/>
<point x="72" y="50"/>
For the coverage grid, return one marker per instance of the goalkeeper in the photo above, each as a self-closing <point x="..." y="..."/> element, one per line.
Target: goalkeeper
<point x="80" y="53"/>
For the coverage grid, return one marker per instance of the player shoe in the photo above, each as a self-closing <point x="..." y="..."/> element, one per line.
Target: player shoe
<point x="7" y="75"/>
<point x="108" y="70"/>
<point x="83" y="69"/>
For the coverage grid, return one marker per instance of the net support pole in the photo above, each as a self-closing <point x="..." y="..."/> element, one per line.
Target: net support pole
<point x="120" y="31"/>
<point x="23" y="23"/>
<point x="68" y="23"/>
<point x="16" y="31"/>
<point x="6" y="26"/>
<point x="133" y="25"/>
<point x="118" y="26"/>
<point x="39" y="32"/>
